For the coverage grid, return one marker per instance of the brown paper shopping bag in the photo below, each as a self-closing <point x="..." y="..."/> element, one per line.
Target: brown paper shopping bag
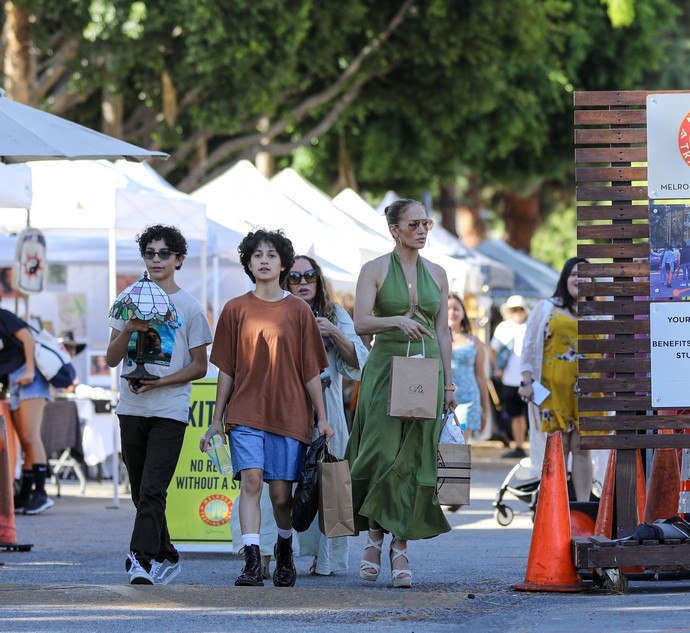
<point x="413" y="391"/>
<point x="336" y="514"/>
<point x="453" y="478"/>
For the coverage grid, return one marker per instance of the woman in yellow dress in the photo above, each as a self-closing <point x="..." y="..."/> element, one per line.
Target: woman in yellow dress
<point x="549" y="355"/>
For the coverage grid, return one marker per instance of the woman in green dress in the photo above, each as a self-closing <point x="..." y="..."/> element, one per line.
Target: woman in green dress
<point x="401" y="299"/>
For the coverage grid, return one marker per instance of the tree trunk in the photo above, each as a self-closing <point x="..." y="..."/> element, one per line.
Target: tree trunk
<point x="17" y="62"/>
<point x="448" y="205"/>
<point x="346" y="174"/>
<point x="472" y="227"/>
<point x="265" y="161"/>
<point x="522" y="217"/>
<point x="169" y="98"/>
<point x="112" y="109"/>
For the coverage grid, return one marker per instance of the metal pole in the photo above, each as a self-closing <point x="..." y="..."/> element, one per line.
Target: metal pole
<point x="112" y="295"/>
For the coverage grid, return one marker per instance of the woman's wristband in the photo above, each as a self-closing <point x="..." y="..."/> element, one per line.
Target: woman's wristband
<point x="449" y="388"/>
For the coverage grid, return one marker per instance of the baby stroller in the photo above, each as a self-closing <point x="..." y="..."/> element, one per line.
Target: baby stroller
<point x="519" y="483"/>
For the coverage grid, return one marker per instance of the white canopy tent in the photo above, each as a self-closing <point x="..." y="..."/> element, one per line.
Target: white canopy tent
<point x="15" y="187"/>
<point x="358" y="225"/>
<point x="318" y="204"/>
<point x="463" y="276"/>
<point x="91" y="200"/>
<point x="242" y="198"/>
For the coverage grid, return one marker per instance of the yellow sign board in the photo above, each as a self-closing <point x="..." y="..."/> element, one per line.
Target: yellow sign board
<point x="200" y="499"/>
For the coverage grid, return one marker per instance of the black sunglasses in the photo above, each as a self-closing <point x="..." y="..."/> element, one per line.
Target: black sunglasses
<point x="310" y="276"/>
<point x="164" y="254"/>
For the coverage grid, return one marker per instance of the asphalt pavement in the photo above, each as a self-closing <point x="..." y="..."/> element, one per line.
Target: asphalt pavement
<point x="73" y="579"/>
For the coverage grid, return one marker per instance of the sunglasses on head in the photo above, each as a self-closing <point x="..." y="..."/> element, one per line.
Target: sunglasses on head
<point x="413" y="225"/>
<point x="294" y="278"/>
<point x="164" y="254"/>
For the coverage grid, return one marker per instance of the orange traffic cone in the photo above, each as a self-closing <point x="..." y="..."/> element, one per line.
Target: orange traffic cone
<point x="663" y="491"/>
<point x="604" y="522"/>
<point x="12" y="440"/>
<point x="641" y="488"/>
<point x="550" y="565"/>
<point x="581" y="523"/>
<point x="8" y="531"/>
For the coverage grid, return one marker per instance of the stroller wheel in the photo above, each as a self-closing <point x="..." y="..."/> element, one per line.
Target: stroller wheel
<point x="504" y="515"/>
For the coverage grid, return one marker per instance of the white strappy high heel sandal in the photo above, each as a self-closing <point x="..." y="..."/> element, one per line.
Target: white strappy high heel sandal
<point x="401" y="578"/>
<point x="366" y="565"/>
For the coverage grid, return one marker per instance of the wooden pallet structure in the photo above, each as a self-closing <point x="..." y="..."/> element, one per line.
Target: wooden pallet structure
<point x="610" y="158"/>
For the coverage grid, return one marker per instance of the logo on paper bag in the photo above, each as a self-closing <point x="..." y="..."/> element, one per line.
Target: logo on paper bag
<point x="215" y="510"/>
<point x="416" y="388"/>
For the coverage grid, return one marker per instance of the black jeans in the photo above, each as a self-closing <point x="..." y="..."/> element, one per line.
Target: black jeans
<point x="150" y="450"/>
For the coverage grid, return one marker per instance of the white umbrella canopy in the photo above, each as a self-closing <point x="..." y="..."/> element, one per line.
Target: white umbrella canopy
<point x="28" y="134"/>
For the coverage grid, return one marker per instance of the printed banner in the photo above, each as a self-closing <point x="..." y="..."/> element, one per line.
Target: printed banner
<point x="670" y="354"/>
<point x="668" y="146"/>
<point x="200" y="499"/>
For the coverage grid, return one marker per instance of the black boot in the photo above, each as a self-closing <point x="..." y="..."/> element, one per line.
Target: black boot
<point x="285" y="574"/>
<point x="251" y="572"/>
<point x="22" y="498"/>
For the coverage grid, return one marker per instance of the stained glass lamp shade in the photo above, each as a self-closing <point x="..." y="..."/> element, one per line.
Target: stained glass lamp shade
<point x="146" y="301"/>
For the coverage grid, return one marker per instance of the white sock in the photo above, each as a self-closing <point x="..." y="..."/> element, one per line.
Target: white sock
<point x="250" y="539"/>
<point x="284" y="533"/>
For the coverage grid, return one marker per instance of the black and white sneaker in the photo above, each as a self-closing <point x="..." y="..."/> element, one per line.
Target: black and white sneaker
<point x="163" y="573"/>
<point x="137" y="574"/>
<point x="38" y="502"/>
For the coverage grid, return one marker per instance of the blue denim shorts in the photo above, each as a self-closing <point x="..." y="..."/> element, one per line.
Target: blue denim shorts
<point x="39" y="388"/>
<point x="281" y="458"/>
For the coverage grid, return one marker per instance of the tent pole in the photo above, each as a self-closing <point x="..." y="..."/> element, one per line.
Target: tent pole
<point x="112" y="295"/>
<point x="216" y="288"/>
<point x="203" y="293"/>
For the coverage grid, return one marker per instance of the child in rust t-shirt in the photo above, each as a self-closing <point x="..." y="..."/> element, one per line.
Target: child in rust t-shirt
<point x="271" y="349"/>
<point x="269" y="354"/>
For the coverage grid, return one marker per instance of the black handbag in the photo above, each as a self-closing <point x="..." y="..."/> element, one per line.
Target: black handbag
<point x="305" y="502"/>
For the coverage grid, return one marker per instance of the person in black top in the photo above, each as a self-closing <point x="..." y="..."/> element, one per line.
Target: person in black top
<point x="685" y="260"/>
<point x="28" y="391"/>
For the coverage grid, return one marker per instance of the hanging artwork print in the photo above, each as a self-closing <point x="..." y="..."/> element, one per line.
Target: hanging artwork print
<point x="30" y="262"/>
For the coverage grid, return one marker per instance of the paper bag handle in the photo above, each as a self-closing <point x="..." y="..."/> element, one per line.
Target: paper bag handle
<point x="423" y="350"/>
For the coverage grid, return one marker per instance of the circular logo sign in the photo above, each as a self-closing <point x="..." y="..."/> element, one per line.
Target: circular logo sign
<point x="684" y="139"/>
<point x="215" y="510"/>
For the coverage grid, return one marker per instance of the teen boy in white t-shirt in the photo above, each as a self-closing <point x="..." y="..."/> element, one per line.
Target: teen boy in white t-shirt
<point x="154" y="413"/>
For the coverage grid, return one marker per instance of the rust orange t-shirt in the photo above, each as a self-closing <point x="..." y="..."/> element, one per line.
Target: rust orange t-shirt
<point x="271" y="349"/>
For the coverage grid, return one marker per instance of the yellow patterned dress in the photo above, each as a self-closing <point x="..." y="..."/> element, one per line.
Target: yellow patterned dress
<point x="559" y="412"/>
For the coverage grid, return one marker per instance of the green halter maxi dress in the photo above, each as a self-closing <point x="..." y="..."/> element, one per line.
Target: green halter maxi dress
<point x="392" y="460"/>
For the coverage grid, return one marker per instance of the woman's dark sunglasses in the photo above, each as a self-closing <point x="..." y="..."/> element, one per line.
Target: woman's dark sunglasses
<point x="310" y="276"/>
<point x="413" y="225"/>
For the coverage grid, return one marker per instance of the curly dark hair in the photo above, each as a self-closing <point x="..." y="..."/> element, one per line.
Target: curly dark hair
<point x="322" y="304"/>
<point x="171" y="235"/>
<point x="277" y="239"/>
